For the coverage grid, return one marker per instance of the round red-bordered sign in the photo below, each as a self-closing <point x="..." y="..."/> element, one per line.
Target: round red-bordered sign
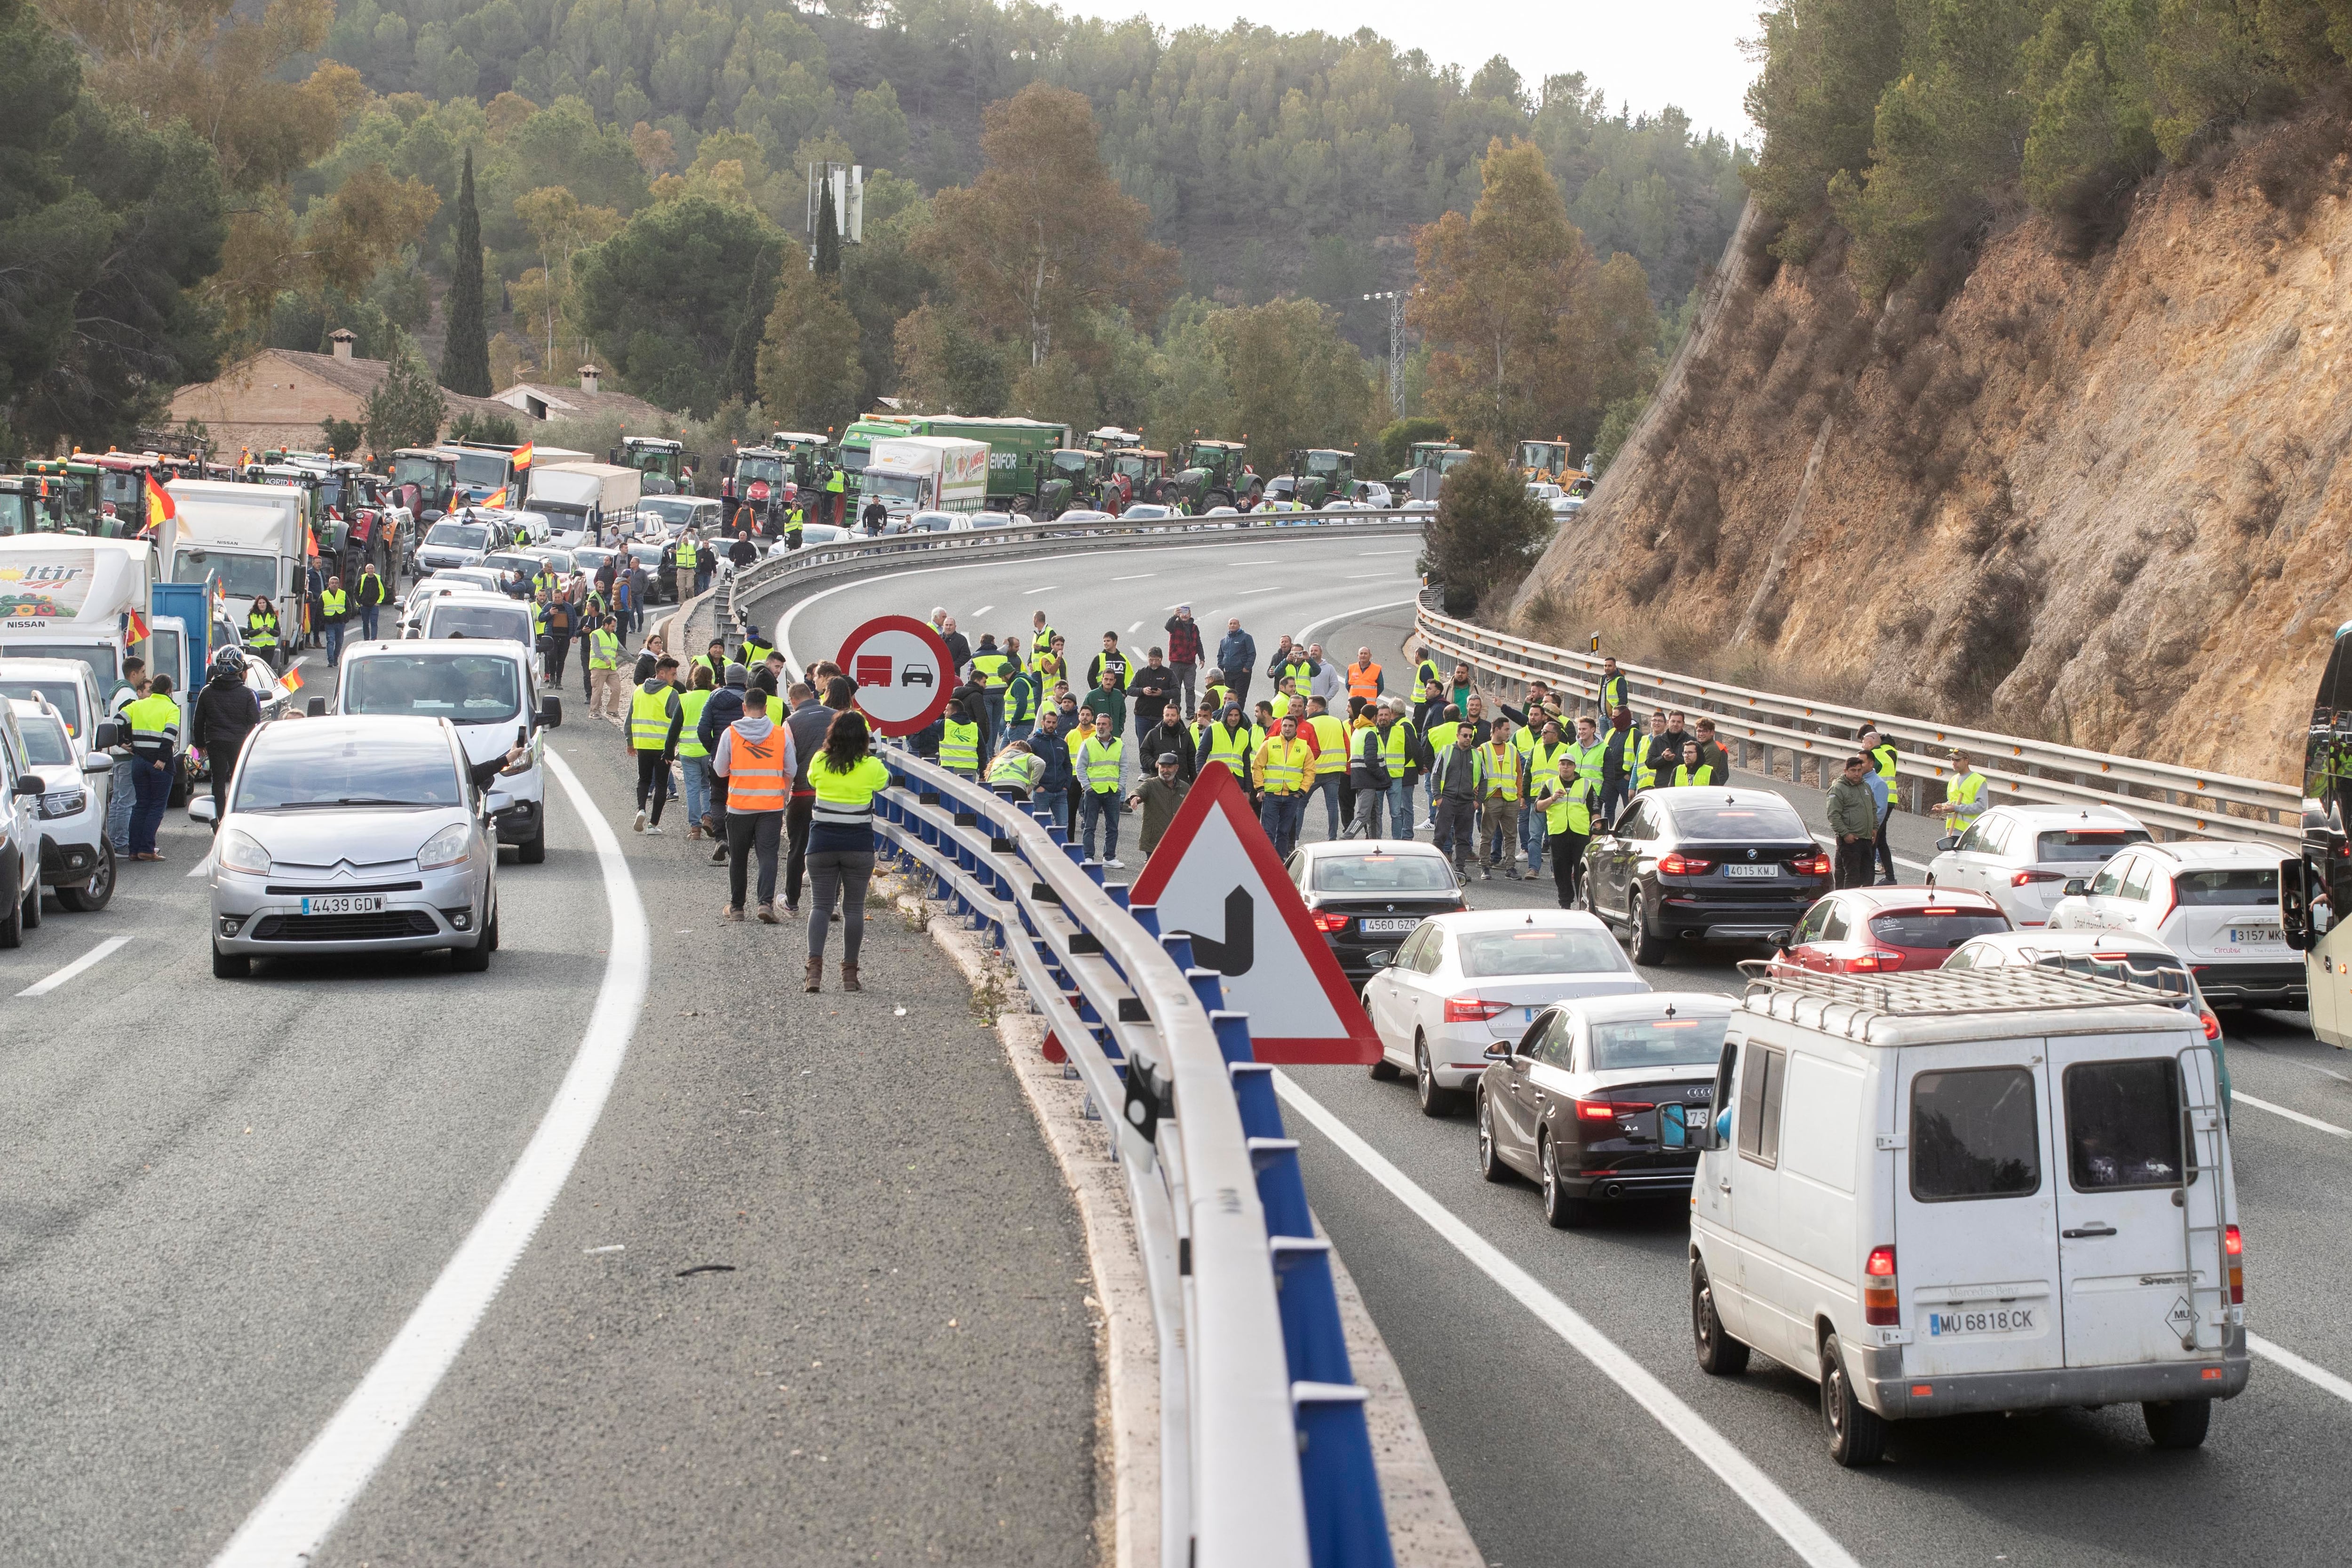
<point x="904" y="672"/>
<point x="759" y="489"/>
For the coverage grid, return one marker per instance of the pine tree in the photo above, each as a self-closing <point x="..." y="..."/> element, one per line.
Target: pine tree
<point x="828" y="235"/>
<point x="466" y="353"/>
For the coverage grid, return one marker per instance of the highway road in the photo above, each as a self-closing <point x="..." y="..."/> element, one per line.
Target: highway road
<point x="1553" y="1371"/>
<point x="807" y="1287"/>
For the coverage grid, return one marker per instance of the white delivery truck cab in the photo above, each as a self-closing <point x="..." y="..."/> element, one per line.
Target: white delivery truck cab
<point x="927" y="473"/>
<point x="1969" y="1190"/>
<point x="251" y="539"/>
<point x="579" y="498"/>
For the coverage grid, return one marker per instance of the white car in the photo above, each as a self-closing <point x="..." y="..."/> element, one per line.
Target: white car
<point x="68" y="685"/>
<point x="455" y="541"/>
<point x="483" y="616"/>
<point x="1148" y="512"/>
<point x="76" y="859"/>
<point x="811" y="534"/>
<point x="1376" y="495"/>
<point x="2214" y="903"/>
<point x="1084" y="515"/>
<point x="2022" y="856"/>
<point x="489" y="690"/>
<point x="21" y="791"/>
<point x="1462" y="982"/>
<point x="967" y="521"/>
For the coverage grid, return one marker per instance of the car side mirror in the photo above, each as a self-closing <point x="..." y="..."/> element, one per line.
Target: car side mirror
<point x="495" y="801"/>
<point x="1948" y="842"/>
<point x="108" y="734"/>
<point x="1782" y="939"/>
<point x="94" y="766"/>
<point x="1499" y="1051"/>
<point x="316" y="707"/>
<point x="2075" y="888"/>
<point x="2296" y="887"/>
<point x="27" y="785"/>
<point x="204" y="809"/>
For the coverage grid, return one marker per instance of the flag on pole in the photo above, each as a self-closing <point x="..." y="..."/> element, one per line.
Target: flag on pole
<point x="160" y="508"/>
<point x="289" y="682"/>
<point x="497" y="498"/>
<point x="522" y="458"/>
<point x="309" y="540"/>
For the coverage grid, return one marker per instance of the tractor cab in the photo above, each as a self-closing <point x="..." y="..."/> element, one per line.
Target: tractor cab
<point x="1072" y="478"/>
<point x="122" y="491"/>
<point x="1215" y="474"/>
<point x="428" y="475"/>
<point x="1140" y="474"/>
<point x="1319" y="475"/>
<point x="1111" y="438"/>
<point x="664" y="464"/>
<point x="760" y="477"/>
<point x="1545" y="460"/>
<point x="67" y="489"/>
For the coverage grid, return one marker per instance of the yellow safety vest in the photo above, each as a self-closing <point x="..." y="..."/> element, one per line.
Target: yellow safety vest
<point x="1587" y="759"/>
<point x="603" y="651"/>
<point x="1502" y="771"/>
<point x="686" y="555"/>
<point x="1685" y="774"/>
<point x="1882" y="758"/>
<point x="332" y="603"/>
<point x="649" y="719"/>
<point x="1543" y="761"/>
<point x="992" y="670"/>
<point x="1043" y="641"/>
<point x="1234" y="748"/>
<point x="261" y="628"/>
<point x="689" y="739"/>
<point x="1020" y="769"/>
<point x="1566" y="808"/>
<point x="755" y="653"/>
<point x="1098" y="765"/>
<point x="847" y="798"/>
<point x="1282" y="765"/>
<point x="1396" y="754"/>
<point x="1331" y="739"/>
<point x="960" y="749"/>
<point x="1441" y="735"/>
<point x="1653" y="758"/>
<point x="152" y="714"/>
<point x="1961" y="791"/>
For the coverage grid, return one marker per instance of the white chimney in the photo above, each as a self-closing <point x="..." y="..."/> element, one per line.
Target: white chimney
<point x="342" y="338"/>
<point x="588" y="374"/>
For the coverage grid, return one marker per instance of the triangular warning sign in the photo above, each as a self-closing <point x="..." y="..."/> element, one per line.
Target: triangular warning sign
<point x="1214" y="876"/>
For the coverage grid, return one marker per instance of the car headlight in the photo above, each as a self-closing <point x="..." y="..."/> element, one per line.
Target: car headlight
<point x="64" y="802"/>
<point x="448" y="847"/>
<point x="240" y="851"/>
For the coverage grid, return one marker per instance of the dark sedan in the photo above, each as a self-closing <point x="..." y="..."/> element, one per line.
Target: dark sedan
<point x="1367" y="896"/>
<point x="1703" y="864"/>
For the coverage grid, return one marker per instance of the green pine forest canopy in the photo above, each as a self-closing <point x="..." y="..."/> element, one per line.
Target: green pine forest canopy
<point x="1906" y="122"/>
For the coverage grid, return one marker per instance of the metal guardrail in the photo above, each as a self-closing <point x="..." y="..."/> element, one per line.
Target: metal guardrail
<point x="1265" y="1459"/>
<point x="2170" y="799"/>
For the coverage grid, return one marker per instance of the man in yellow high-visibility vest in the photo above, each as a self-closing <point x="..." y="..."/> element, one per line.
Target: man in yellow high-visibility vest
<point x="1283" y="771"/>
<point x="1964" y="800"/>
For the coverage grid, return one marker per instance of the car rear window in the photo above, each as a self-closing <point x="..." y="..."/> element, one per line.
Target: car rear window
<point x="1974" y="1133"/>
<point x="1935" y="927"/>
<point x="1739" y="824"/>
<point x="1657" y="1043"/>
<point x="2251" y="885"/>
<point x="2073" y="846"/>
<point x="479" y="621"/>
<point x="1382" y="874"/>
<point x="458" y="536"/>
<point x="464" y="688"/>
<point x="45" y="741"/>
<point x="1491" y="953"/>
<point x="2123" y="1124"/>
<point x="65" y="696"/>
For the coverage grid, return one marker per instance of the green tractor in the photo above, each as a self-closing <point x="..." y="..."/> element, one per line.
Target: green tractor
<point x="1071" y="477"/>
<point x="665" y="464"/>
<point x="1318" y="475"/>
<point x="1215" y="474"/>
<point x="1432" y="461"/>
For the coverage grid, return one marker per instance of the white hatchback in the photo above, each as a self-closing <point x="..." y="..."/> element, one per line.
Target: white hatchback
<point x="2214" y="903"/>
<point x="2022" y="856"/>
<point x="1462" y="982"/>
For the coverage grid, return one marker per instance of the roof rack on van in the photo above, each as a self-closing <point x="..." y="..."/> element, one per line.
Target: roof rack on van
<point x="1849" y="1004"/>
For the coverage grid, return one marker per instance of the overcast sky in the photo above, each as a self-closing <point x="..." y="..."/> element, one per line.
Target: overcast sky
<point x="1683" y="52"/>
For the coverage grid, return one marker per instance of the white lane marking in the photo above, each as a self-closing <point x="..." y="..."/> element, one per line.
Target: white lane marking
<point x="1776" y="1507"/>
<point x="1245" y="593"/>
<point x="1137" y="577"/>
<point x="1373" y="553"/>
<point x="1134" y="629"/>
<point x="310" y="1498"/>
<point x="1362" y="576"/>
<point x="2240" y="1097"/>
<point x="202" y="865"/>
<point x="2310" y="1372"/>
<point x="1049" y="588"/>
<point x="43" y="986"/>
<point x="1314" y="626"/>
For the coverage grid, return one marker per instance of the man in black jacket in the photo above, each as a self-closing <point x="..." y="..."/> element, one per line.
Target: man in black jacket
<point x="725" y="707"/>
<point x="1151" y="687"/>
<point x="1171" y="737"/>
<point x="227" y="713"/>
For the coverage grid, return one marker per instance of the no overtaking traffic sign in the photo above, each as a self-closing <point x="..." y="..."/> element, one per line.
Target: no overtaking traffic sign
<point x="902" y="670"/>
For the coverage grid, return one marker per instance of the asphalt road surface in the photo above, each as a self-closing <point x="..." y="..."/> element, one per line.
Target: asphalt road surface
<point x="1550" y="1458"/>
<point x="813" y="1292"/>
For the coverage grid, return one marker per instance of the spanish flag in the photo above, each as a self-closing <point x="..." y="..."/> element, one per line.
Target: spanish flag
<point x="289" y="682"/>
<point x="522" y="458"/>
<point x="138" y="627"/>
<point x="309" y="542"/>
<point x="160" y="508"/>
<point x="497" y="498"/>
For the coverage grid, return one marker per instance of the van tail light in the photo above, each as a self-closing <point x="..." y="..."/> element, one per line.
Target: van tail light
<point x="1470" y="1009"/>
<point x="2235" y="1245"/>
<point x="2212" y="1031"/>
<point x="2027" y="878"/>
<point x="1609" y="1110"/>
<point x="1881" y="1304"/>
<point x="1326" y="922"/>
<point x="1676" y="864"/>
<point x="1810" y="865"/>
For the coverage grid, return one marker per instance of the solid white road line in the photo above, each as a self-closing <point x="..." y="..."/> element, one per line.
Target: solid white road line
<point x="1137" y="577"/>
<point x="984" y="609"/>
<point x="2317" y="1375"/>
<point x="303" y="1509"/>
<point x="1776" y="1507"/>
<point x="1134" y="629"/>
<point x="1314" y="626"/>
<point x="202" y="866"/>
<point x="2239" y="1096"/>
<point x="43" y="986"/>
<point x="1245" y="593"/>
<point x="1033" y="592"/>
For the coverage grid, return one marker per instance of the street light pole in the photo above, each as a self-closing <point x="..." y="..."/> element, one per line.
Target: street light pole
<point x="1395" y="297"/>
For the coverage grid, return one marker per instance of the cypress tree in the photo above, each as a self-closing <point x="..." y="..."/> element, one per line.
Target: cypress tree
<point x="466" y="353"/>
<point x="828" y="235"/>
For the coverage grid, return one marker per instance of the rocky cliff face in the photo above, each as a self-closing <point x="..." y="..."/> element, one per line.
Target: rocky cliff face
<point x="2097" y="499"/>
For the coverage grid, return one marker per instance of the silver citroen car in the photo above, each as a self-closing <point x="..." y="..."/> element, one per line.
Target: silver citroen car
<point x="359" y="834"/>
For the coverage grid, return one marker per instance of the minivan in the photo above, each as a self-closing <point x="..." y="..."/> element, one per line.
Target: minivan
<point x="1969" y="1190"/>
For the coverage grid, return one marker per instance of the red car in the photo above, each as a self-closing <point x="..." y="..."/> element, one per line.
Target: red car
<point x="1874" y="930"/>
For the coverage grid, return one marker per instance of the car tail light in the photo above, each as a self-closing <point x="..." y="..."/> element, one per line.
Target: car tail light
<point x="1881" y="1303"/>
<point x="1676" y="864"/>
<point x="1810" y="865"/>
<point x="2212" y="1024"/>
<point x="2026" y="878"/>
<point x="1470" y="1009"/>
<point x="1875" y="960"/>
<point x="1609" y="1110"/>
<point x="1328" y="923"/>
<point x="2234" y="1246"/>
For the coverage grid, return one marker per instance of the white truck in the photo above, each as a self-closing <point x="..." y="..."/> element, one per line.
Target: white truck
<point x="253" y="539"/>
<point x="66" y="597"/>
<point x="579" y="498"/>
<point x="927" y="473"/>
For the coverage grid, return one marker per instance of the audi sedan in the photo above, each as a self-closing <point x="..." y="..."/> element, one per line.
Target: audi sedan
<point x="358" y="834"/>
<point x="1367" y="896"/>
<point x="1702" y="864"/>
<point x="1593" y="1099"/>
<point x="1462" y="982"/>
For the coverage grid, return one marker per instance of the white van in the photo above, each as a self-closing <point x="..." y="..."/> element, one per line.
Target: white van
<point x="1948" y="1191"/>
<point x="488" y="688"/>
<point x="452" y="615"/>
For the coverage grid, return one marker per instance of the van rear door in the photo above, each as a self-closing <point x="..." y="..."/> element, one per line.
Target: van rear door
<point x="2139" y="1271"/>
<point x="1976" y="1223"/>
